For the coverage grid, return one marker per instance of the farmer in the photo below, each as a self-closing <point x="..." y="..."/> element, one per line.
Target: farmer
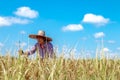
<point x="43" y="46"/>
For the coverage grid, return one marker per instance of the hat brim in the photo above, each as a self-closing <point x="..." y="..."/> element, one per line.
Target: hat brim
<point x="33" y="36"/>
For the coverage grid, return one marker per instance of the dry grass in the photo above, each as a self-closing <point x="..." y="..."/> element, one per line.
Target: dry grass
<point x="22" y="68"/>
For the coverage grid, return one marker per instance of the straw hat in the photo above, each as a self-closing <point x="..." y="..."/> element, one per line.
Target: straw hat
<point x="40" y="34"/>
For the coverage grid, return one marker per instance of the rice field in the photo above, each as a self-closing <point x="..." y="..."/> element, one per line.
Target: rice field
<point x="24" y="68"/>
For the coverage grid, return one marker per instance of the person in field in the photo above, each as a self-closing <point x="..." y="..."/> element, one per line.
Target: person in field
<point x="43" y="46"/>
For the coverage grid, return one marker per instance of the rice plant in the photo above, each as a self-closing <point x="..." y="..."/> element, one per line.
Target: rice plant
<point x="61" y="68"/>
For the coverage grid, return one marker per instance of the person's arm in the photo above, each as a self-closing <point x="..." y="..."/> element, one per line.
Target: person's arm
<point x="32" y="51"/>
<point x="27" y="53"/>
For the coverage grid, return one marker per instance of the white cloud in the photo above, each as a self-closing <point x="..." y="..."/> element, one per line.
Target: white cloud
<point x="22" y="11"/>
<point x="4" y="22"/>
<point x="8" y="21"/>
<point x="26" y="12"/>
<point x="1" y="45"/>
<point x="22" y="32"/>
<point x="106" y="50"/>
<point x="15" y="20"/>
<point x="98" y="20"/>
<point x="118" y="48"/>
<point x="99" y="35"/>
<point x="111" y="41"/>
<point x="73" y="27"/>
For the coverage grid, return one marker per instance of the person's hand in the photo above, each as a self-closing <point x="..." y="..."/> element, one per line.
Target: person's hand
<point x="20" y="52"/>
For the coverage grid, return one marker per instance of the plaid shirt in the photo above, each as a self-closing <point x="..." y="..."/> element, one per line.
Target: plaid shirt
<point x="43" y="50"/>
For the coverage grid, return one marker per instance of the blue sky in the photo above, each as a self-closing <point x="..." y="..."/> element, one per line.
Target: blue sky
<point x="82" y="24"/>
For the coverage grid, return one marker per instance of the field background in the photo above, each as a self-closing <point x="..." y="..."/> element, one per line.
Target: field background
<point x="60" y="68"/>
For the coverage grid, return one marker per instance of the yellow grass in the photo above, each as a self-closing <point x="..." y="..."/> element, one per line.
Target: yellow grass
<point x="22" y="68"/>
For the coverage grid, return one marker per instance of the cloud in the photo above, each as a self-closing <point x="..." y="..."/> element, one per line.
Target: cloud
<point x="1" y="45"/>
<point x="22" y="11"/>
<point x="98" y="20"/>
<point x="8" y="21"/>
<point x="26" y="12"/>
<point x="106" y="50"/>
<point x="4" y="22"/>
<point x="118" y="48"/>
<point x="99" y="35"/>
<point x="73" y="27"/>
<point x="111" y="41"/>
<point x="22" y="32"/>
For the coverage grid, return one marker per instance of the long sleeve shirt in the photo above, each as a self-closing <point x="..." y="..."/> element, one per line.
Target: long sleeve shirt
<point x="43" y="50"/>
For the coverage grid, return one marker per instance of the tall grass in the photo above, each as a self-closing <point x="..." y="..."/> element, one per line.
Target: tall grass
<point x="23" y="68"/>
